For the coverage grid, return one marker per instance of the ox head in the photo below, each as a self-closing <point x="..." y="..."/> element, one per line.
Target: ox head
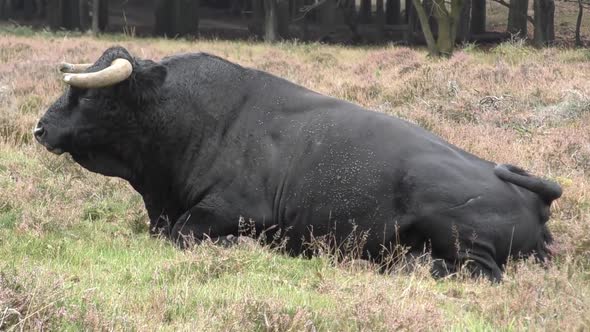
<point x="102" y="116"/>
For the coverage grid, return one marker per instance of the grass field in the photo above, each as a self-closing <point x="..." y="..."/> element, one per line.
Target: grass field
<point x="74" y="248"/>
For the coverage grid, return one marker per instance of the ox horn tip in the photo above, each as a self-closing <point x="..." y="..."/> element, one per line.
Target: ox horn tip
<point x="70" y="68"/>
<point x="65" y="67"/>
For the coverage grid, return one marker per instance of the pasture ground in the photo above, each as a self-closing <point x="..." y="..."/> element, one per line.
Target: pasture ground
<point x="74" y="249"/>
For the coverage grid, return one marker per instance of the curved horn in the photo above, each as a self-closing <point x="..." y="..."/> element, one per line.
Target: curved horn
<point x="73" y="68"/>
<point x="118" y="71"/>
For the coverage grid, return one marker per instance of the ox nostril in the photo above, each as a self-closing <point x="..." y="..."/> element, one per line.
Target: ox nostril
<point x="39" y="131"/>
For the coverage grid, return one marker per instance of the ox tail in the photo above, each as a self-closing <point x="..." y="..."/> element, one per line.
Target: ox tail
<point x="546" y="189"/>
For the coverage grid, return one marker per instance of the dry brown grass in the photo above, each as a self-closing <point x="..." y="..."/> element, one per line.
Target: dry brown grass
<point x="511" y="104"/>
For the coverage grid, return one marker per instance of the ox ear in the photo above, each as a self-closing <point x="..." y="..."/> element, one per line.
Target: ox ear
<point x="147" y="78"/>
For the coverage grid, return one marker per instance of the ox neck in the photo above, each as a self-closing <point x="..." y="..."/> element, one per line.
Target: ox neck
<point x="185" y="139"/>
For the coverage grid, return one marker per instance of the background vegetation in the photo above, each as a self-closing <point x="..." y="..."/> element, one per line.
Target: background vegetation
<point x="74" y="249"/>
<point x="437" y="23"/>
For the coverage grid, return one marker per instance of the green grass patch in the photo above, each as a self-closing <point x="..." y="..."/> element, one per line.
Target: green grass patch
<point x="9" y="219"/>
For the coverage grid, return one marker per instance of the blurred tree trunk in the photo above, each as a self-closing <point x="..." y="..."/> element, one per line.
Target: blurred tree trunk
<point x="517" y="18"/>
<point x="429" y="8"/>
<point x="423" y="18"/>
<point x="40" y="8"/>
<point x="544" y="33"/>
<point x="163" y="14"/>
<point x="63" y="14"/>
<point x="28" y="9"/>
<point x="412" y="19"/>
<point x="579" y="23"/>
<point x="351" y="19"/>
<point x="283" y="18"/>
<point x="445" y="40"/>
<point x="271" y="23"/>
<point x="365" y="11"/>
<point x="103" y="14"/>
<point x="72" y="14"/>
<point x="177" y="17"/>
<point x="186" y="17"/>
<point x="392" y="12"/>
<point x="236" y="7"/>
<point x="380" y="19"/>
<point x="55" y="14"/>
<point x="448" y="22"/>
<point x="478" y="16"/>
<point x="5" y="10"/>
<point x="328" y="17"/>
<point x="463" y="26"/>
<point x="297" y="15"/>
<point x="95" y="16"/>
<point x="550" y="21"/>
<point x="100" y="13"/>
<point x="295" y="6"/>
<point x="84" y="14"/>
<point x="257" y="21"/>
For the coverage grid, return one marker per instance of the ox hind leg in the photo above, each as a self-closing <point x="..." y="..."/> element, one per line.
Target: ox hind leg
<point x="475" y="263"/>
<point x="457" y="248"/>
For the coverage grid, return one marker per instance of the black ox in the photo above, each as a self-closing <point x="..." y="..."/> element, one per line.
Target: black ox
<point x="206" y="141"/>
